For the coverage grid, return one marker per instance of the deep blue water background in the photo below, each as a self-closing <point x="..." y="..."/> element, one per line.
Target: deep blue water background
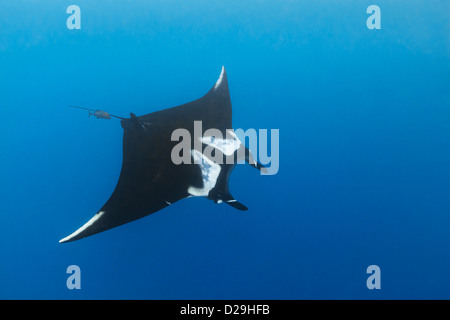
<point x="364" y="148"/>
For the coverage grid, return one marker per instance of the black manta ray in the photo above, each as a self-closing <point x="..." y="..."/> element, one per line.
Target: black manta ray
<point x="150" y="180"/>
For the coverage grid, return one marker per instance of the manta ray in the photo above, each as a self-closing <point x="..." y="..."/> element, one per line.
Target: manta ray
<point x="150" y="180"/>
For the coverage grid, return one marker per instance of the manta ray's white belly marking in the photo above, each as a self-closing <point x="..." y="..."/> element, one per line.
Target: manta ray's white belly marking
<point x="210" y="169"/>
<point x="210" y="173"/>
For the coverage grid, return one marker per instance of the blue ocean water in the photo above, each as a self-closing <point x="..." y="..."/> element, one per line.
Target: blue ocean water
<point x="363" y="178"/>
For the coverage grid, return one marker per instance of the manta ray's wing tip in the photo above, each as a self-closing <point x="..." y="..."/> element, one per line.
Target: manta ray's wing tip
<point x="63" y="240"/>
<point x="66" y="239"/>
<point x="221" y="77"/>
<point x="85" y="230"/>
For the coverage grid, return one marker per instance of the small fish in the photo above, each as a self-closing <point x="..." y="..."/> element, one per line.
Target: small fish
<point x="100" y="114"/>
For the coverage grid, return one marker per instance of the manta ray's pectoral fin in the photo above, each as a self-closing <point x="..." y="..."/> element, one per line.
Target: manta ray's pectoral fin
<point x="91" y="227"/>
